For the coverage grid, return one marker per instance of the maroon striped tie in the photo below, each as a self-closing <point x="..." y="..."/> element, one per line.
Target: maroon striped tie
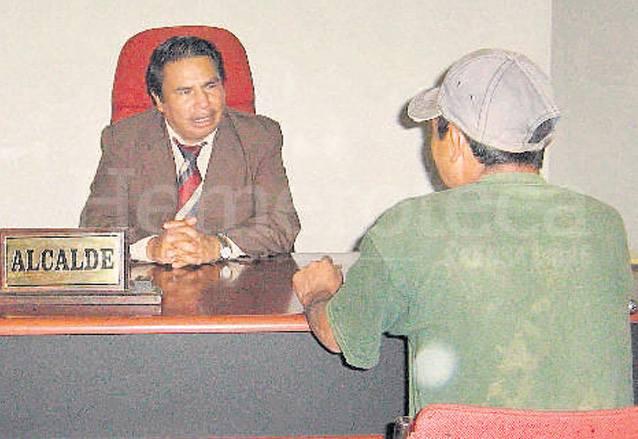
<point x="189" y="178"/>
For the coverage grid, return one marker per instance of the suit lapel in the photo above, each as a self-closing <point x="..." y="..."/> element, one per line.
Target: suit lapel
<point x="227" y="166"/>
<point x="157" y="159"/>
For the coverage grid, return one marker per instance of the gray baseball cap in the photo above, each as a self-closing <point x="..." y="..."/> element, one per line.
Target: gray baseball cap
<point x="497" y="97"/>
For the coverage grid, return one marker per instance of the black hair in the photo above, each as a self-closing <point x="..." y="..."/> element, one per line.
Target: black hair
<point x="175" y="49"/>
<point x="489" y="156"/>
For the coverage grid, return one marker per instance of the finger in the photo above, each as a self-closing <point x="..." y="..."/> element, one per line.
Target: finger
<point x="187" y="250"/>
<point x="182" y="240"/>
<point x="172" y="224"/>
<point x="324" y="263"/>
<point x="190" y="222"/>
<point x="165" y="251"/>
<point x="184" y="231"/>
<point x="179" y="263"/>
<point x="185" y="259"/>
<point x="298" y="278"/>
<point x="173" y="247"/>
<point x="329" y="260"/>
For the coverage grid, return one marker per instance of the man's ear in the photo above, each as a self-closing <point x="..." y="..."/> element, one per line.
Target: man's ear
<point x="461" y="150"/>
<point x="459" y="144"/>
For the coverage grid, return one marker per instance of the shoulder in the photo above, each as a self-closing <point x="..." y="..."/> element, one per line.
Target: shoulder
<point x="253" y="126"/>
<point x="569" y="197"/>
<point x="126" y="135"/>
<point x="140" y="120"/>
<point x="141" y="124"/>
<point x="597" y="211"/>
<point x="404" y="214"/>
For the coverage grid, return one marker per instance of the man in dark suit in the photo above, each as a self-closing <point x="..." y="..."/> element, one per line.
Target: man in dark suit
<point x="240" y="203"/>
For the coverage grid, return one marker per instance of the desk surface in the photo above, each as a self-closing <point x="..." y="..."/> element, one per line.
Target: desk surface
<point x="231" y="297"/>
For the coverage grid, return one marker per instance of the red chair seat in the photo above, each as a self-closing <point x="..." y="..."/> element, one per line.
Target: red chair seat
<point x="470" y="422"/>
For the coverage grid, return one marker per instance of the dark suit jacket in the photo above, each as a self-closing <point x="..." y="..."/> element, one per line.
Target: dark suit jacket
<point x="245" y="194"/>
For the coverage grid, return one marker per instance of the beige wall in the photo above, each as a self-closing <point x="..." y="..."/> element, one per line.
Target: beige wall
<point x="336" y="74"/>
<point x="595" y="69"/>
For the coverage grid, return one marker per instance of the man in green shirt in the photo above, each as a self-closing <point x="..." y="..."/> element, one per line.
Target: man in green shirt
<point x="511" y="292"/>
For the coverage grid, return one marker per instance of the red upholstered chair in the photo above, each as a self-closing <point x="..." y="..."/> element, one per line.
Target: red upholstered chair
<point x="469" y="422"/>
<point x="129" y="88"/>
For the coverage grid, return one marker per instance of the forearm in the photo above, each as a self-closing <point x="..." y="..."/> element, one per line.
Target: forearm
<point x="317" y="315"/>
<point x="266" y="234"/>
<point x="315" y="285"/>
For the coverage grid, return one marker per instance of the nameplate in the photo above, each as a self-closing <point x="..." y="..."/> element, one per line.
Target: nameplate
<point x="62" y="259"/>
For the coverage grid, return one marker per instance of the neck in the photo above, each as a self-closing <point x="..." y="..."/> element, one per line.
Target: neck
<point x="509" y="167"/>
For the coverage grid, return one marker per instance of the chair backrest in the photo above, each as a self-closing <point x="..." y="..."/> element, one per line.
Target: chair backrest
<point x="465" y="422"/>
<point x="129" y="94"/>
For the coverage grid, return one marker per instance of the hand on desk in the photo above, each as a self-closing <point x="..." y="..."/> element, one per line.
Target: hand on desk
<point x="320" y="280"/>
<point x="180" y="244"/>
<point x="314" y="286"/>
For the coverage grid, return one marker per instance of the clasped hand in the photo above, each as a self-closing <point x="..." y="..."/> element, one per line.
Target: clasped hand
<point x="318" y="281"/>
<point x="180" y="244"/>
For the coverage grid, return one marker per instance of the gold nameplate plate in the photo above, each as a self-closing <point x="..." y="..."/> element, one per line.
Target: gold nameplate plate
<point x="62" y="259"/>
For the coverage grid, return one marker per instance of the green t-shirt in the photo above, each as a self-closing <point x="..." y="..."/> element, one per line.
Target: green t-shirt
<point x="511" y="292"/>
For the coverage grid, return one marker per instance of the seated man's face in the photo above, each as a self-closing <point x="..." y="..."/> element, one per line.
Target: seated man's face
<point x="193" y="97"/>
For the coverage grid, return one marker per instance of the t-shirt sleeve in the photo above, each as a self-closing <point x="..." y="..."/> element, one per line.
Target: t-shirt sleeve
<point x="364" y="308"/>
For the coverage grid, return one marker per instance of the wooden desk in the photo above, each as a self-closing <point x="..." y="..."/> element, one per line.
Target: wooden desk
<point x="229" y="297"/>
<point x="227" y="353"/>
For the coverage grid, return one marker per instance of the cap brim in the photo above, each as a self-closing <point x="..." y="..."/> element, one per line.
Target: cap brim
<point x="424" y="106"/>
